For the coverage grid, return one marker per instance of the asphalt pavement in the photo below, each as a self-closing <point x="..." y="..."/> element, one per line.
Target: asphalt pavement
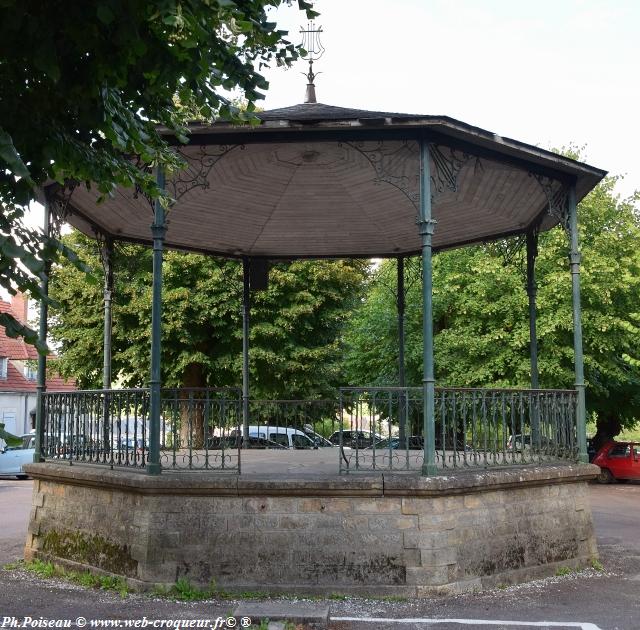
<point x="606" y="599"/>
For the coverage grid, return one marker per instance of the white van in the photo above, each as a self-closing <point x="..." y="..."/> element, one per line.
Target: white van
<point x="285" y="436"/>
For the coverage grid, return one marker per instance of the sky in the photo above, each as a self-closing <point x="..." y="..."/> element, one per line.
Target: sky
<point x="549" y="73"/>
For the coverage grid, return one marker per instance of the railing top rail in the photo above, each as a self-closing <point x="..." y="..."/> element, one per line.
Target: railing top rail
<point x="138" y="390"/>
<point x="201" y="389"/>
<point x="129" y="390"/>
<point x="505" y="390"/>
<point x="342" y="390"/>
<point x="333" y="401"/>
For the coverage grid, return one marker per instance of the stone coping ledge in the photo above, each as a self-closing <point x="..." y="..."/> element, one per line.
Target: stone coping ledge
<point x="375" y="485"/>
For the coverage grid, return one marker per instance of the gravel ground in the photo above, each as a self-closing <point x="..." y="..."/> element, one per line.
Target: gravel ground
<point x="576" y="597"/>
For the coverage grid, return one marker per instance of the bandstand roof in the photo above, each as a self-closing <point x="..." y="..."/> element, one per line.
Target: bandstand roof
<point x="315" y="181"/>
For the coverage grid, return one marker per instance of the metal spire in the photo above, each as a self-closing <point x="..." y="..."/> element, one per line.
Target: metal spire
<point x="312" y="44"/>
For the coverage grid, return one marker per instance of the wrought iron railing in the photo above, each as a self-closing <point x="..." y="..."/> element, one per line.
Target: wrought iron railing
<point x="110" y="427"/>
<point x="382" y="427"/>
<point x="374" y="428"/>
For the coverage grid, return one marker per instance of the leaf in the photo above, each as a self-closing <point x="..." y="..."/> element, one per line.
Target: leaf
<point x="105" y="14"/>
<point x="13" y="328"/>
<point x="11" y="157"/>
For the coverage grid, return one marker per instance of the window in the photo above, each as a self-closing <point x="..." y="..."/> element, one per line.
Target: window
<point x="620" y="450"/>
<point x="279" y="438"/>
<point x="4" y="364"/>
<point x="31" y="371"/>
<point x="301" y="441"/>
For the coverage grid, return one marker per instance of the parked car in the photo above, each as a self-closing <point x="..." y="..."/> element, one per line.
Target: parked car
<point x="515" y="442"/>
<point x="285" y="436"/>
<point x="618" y="461"/>
<point x="414" y="443"/>
<point x="131" y="444"/>
<point x="236" y="441"/>
<point x="448" y="444"/>
<point x="317" y="438"/>
<point x="518" y="441"/>
<point x="12" y="459"/>
<point x="355" y="439"/>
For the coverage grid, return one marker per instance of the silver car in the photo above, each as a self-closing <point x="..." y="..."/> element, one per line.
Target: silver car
<point x="12" y="458"/>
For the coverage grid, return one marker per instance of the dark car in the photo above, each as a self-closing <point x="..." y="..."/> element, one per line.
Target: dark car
<point x="237" y="441"/>
<point x="413" y="443"/>
<point x="354" y="439"/>
<point x="618" y="461"/>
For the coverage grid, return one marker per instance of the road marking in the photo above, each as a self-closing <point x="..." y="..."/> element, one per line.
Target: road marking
<point x="477" y="622"/>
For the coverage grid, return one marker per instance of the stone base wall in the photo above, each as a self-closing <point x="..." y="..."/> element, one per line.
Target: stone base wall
<point x="390" y="534"/>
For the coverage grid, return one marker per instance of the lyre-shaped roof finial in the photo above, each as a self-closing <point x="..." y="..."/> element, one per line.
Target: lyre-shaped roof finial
<point x="314" y="48"/>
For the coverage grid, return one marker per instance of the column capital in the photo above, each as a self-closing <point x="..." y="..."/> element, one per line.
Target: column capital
<point x="158" y="231"/>
<point x="426" y="227"/>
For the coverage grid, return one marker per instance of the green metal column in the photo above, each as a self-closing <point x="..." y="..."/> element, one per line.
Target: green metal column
<point x="106" y="253"/>
<point x="158" y="230"/>
<point x="246" y="306"/>
<point x="532" y="288"/>
<point x="574" y="258"/>
<point x="42" y="336"/>
<point x="107" y="261"/>
<point x="400" y="302"/>
<point x="426" y="226"/>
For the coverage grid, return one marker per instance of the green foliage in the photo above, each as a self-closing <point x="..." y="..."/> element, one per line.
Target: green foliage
<point x="9" y="438"/>
<point x="184" y="591"/>
<point x="295" y="324"/>
<point x="481" y="315"/>
<point x="84" y="88"/>
<point x="48" y="570"/>
<point x="42" y="569"/>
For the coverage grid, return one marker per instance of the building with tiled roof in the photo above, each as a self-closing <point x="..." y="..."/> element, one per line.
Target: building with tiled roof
<point x="19" y="374"/>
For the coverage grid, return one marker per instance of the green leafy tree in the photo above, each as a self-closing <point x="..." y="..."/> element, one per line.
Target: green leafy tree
<point x="481" y="316"/>
<point x="295" y="324"/>
<point x="85" y="86"/>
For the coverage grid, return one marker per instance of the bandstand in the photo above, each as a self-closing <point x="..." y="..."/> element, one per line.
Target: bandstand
<point x="466" y="488"/>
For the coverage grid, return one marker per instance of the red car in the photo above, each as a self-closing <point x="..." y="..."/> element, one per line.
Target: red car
<point x="618" y="461"/>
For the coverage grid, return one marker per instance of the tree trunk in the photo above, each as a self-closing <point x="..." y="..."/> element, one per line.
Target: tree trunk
<point x="607" y="428"/>
<point x="192" y="408"/>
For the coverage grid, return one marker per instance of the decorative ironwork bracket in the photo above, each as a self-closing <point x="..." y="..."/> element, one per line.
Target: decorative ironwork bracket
<point x="385" y="162"/>
<point x="58" y="197"/>
<point x="105" y="250"/>
<point x="557" y="198"/>
<point x="448" y="163"/>
<point x="137" y="191"/>
<point x="196" y="175"/>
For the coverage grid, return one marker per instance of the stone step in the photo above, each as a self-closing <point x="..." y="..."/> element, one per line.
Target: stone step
<point x="314" y="617"/>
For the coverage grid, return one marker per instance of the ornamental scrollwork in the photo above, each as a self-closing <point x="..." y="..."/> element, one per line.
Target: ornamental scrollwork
<point x="137" y="190"/>
<point x="557" y="198"/>
<point x="105" y="250"/>
<point x="58" y="197"/>
<point x="199" y="165"/>
<point x="448" y="163"/>
<point x="388" y="162"/>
